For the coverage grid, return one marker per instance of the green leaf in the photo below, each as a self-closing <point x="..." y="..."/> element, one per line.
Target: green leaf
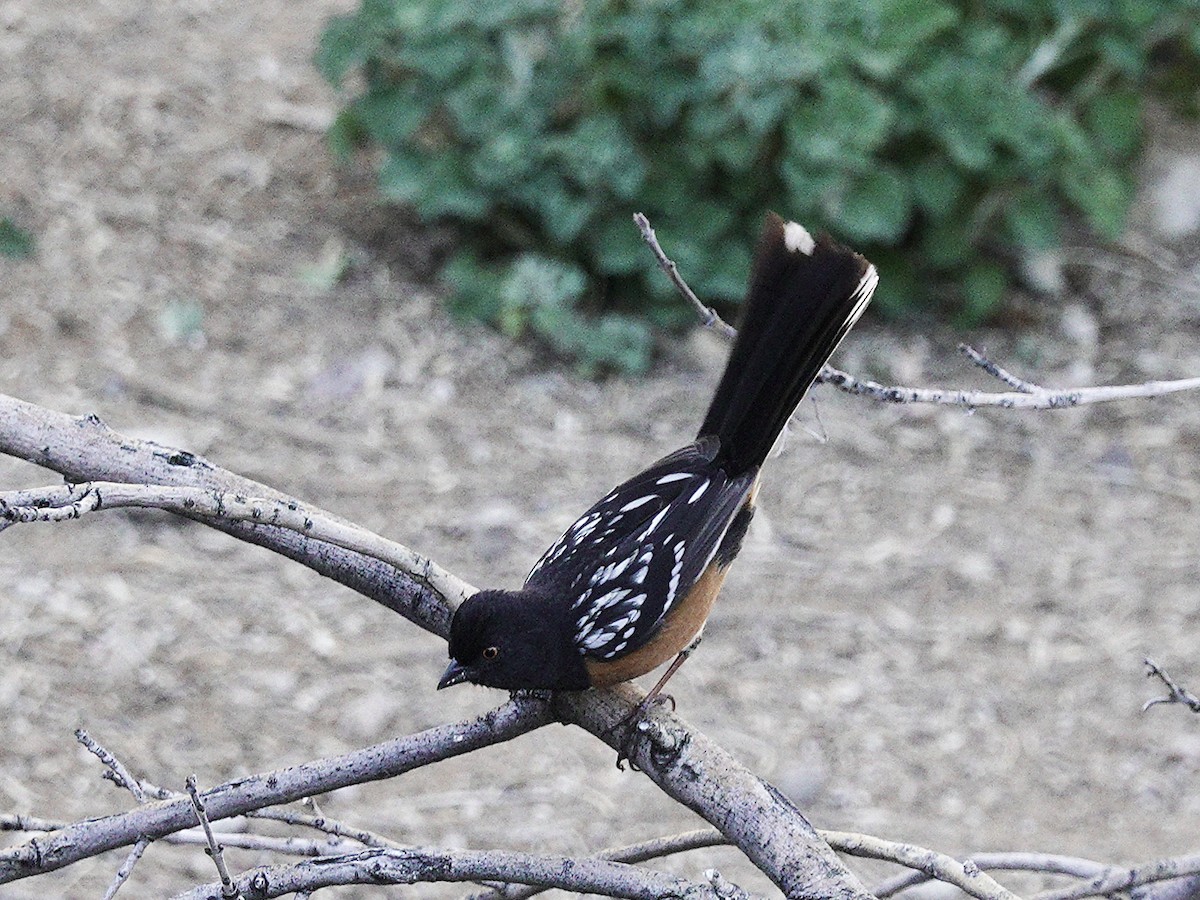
<point x="1114" y="120"/>
<point x="946" y="245"/>
<point x="15" y="242"/>
<point x="968" y="145"/>
<point x="345" y="134"/>
<point x="390" y="115"/>
<point x="903" y="29"/>
<point x="1032" y="218"/>
<point x="983" y="288"/>
<point x="618" y="248"/>
<point x="937" y="187"/>
<point x="846" y="122"/>
<point x="875" y="207"/>
<point x="403" y="176"/>
<point x="344" y="44"/>
<point x="1103" y="196"/>
<point x="901" y="288"/>
<point x="475" y="289"/>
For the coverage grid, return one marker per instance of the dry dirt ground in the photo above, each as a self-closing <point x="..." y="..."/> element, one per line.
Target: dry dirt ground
<point x="935" y="634"/>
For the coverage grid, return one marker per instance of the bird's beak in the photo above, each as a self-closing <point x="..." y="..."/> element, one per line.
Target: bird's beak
<point x="456" y="673"/>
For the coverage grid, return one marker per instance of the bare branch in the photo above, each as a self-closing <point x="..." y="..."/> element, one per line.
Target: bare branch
<point x="965" y="875"/>
<point x="326" y="825"/>
<point x="996" y="372"/>
<point x="724" y="889"/>
<point x="292" y="846"/>
<point x="685" y="764"/>
<point x="631" y="853"/>
<point x="1102" y="879"/>
<point x="1013" y="862"/>
<point x="1063" y="398"/>
<point x="117" y="773"/>
<point x="1114" y="879"/>
<point x="708" y="315"/>
<point x="18" y="822"/>
<point x="228" y="890"/>
<point x="81" y="840"/>
<point x="410" y="866"/>
<point x="1026" y="395"/>
<point x="126" y="869"/>
<point x="1175" y="693"/>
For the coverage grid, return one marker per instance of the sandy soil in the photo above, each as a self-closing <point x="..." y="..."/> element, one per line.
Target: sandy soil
<point x="936" y="631"/>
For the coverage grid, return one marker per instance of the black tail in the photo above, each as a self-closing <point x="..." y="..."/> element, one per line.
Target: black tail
<point x="804" y="295"/>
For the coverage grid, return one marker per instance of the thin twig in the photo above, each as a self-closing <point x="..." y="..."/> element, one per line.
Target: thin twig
<point x="1049" y="398"/>
<point x="630" y="853"/>
<point x="292" y="846"/>
<point x="708" y="316"/>
<point x="117" y="773"/>
<point x="1115" y="879"/>
<point x="326" y="825"/>
<point x="18" y="822"/>
<point x="963" y="875"/>
<point x="1176" y="693"/>
<point x="1075" y="866"/>
<point x="126" y="869"/>
<point x="996" y="371"/>
<point x="229" y="890"/>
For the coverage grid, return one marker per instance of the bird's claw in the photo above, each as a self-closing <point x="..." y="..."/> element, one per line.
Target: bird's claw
<point x="634" y="725"/>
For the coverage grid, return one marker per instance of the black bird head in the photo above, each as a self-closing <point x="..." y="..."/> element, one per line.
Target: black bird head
<point x="513" y="640"/>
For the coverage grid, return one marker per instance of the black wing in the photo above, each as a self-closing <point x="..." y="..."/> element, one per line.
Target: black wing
<point x="653" y="536"/>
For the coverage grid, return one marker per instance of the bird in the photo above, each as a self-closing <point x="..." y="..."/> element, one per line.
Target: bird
<point x="630" y="584"/>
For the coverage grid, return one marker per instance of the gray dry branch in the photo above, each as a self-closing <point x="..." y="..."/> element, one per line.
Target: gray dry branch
<point x="410" y="866"/>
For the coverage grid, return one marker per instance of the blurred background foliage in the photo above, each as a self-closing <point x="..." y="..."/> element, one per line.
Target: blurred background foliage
<point x="943" y="139"/>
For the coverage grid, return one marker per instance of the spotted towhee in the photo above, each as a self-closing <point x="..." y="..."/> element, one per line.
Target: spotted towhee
<point x="631" y="582"/>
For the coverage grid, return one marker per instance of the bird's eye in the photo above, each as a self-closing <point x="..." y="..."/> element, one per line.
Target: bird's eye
<point x="491" y="652"/>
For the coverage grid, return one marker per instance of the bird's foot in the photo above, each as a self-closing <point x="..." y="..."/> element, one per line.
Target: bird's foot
<point x="634" y="725"/>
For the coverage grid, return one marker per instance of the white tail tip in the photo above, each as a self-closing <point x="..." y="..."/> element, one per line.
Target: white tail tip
<point x="797" y="239"/>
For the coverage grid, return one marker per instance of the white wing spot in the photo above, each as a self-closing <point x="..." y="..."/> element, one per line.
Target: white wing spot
<point x="699" y="492"/>
<point x="677" y="476"/>
<point x="640" y="501"/>
<point x="797" y="239"/>
<point x="598" y="640"/>
<point x="654" y="523"/>
<point x="612" y="597"/>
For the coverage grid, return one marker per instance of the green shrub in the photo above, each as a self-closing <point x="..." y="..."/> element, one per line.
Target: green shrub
<point x="935" y="136"/>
